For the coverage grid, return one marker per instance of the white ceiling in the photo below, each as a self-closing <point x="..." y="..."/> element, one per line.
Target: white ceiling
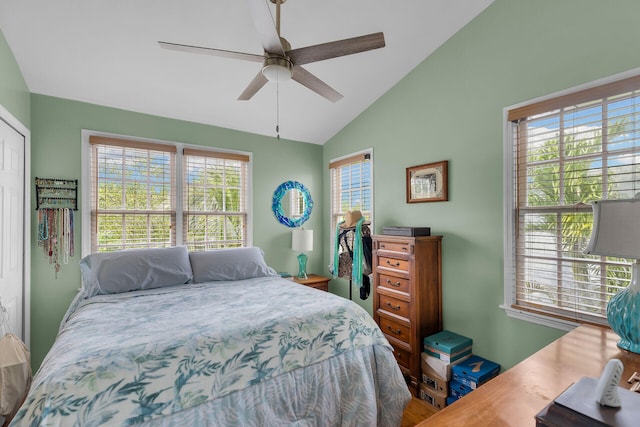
<point x="106" y="52"/>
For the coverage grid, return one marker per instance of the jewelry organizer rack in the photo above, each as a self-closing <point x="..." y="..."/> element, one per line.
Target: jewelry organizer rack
<point x="56" y="193"/>
<point x="56" y="199"/>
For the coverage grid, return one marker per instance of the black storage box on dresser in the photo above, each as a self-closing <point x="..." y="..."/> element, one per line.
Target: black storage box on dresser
<point x="406" y="231"/>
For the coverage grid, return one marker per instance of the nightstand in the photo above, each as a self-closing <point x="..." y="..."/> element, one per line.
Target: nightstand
<point x="315" y="281"/>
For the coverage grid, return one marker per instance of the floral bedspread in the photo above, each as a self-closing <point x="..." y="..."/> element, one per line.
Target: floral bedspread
<point x="133" y="358"/>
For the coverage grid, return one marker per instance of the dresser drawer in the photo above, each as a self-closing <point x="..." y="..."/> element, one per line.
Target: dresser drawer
<point x="403" y="357"/>
<point x="396" y="283"/>
<point x="395" y="329"/>
<point x="401" y="247"/>
<point x="394" y="263"/>
<point x="395" y="306"/>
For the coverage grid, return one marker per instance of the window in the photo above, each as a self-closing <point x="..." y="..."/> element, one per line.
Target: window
<point x="152" y="194"/>
<point x="351" y="188"/>
<point x="563" y="153"/>
<point x="215" y="199"/>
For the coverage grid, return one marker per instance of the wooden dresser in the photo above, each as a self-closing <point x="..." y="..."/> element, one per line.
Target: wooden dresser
<point x="407" y="296"/>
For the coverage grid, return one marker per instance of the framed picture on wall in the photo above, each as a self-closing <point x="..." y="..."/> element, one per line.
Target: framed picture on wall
<point x="427" y="183"/>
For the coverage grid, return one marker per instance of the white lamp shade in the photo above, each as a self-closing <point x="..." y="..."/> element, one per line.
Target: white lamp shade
<point x="302" y="240"/>
<point x="616" y="229"/>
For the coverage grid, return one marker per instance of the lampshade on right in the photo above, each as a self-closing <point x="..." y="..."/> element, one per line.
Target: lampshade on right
<point x="616" y="233"/>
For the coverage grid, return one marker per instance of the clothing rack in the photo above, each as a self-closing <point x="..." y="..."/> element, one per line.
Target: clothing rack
<point x="346" y="243"/>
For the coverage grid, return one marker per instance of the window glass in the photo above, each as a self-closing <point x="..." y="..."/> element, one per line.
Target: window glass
<point x="134" y="200"/>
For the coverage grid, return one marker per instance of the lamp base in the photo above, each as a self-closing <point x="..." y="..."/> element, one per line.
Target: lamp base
<point x="302" y="266"/>
<point x="623" y="313"/>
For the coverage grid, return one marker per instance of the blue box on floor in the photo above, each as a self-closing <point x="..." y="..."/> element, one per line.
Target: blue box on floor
<point x="457" y="389"/>
<point x="451" y="399"/>
<point x="447" y="342"/>
<point x="474" y="371"/>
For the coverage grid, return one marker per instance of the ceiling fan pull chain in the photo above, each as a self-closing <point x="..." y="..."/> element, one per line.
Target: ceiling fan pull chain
<point x="278" y="2"/>
<point x="278" y="109"/>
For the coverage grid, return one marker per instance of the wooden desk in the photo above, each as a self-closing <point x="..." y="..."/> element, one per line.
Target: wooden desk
<point x="514" y="397"/>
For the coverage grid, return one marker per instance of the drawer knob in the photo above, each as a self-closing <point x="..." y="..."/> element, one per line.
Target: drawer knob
<point x="395" y="331"/>
<point x="396" y="264"/>
<point x="396" y="284"/>
<point x="393" y="307"/>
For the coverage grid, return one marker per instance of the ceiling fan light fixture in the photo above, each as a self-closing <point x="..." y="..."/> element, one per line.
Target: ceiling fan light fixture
<point x="276" y="68"/>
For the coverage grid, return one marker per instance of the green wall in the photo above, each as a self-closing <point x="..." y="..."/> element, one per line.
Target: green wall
<point x="450" y="108"/>
<point x="56" y="129"/>
<point x="14" y="93"/>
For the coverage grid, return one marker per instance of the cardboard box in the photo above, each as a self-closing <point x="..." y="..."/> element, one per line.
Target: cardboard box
<point x="432" y="397"/>
<point x="433" y="381"/>
<point x="474" y="371"/>
<point x="448" y="357"/>
<point x="437" y="367"/>
<point x="447" y="342"/>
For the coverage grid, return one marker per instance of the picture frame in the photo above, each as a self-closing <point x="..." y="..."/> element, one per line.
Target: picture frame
<point x="428" y="182"/>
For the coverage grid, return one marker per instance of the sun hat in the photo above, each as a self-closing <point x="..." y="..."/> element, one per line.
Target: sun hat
<point x="351" y="218"/>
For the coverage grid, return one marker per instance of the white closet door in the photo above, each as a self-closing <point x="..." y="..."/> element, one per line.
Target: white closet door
<point x="12" y="151"/>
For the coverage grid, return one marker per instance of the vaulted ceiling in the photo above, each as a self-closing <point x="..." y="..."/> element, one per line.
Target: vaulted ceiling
<point x="107" y="53"/>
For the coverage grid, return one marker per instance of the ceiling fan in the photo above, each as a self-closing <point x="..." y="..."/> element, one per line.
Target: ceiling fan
<point x="279" y="61"/>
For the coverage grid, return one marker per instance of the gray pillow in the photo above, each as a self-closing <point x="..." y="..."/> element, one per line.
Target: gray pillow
<point x="135" y="269"/>
<point x="229" y="264"/>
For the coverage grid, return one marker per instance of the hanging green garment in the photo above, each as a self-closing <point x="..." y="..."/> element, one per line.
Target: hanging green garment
<point x="356" y="271"/>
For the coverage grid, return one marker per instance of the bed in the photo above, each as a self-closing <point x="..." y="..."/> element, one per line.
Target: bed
<point x="163" y="337"/>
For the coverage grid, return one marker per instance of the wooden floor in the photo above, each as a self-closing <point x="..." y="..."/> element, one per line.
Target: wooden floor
<point x="417" y="410"/>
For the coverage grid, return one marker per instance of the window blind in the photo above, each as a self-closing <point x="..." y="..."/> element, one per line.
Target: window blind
<point x="132" y="194"/>
<point x="568" y="152"/>
<point x="215" y="199"/>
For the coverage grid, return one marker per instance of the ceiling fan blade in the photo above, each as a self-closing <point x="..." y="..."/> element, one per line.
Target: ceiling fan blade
<point x="307" y="79"/>
<point x="256" y="84"/>
<point x="262" y="19"/>
<point x="320" y="52"/>
<point x="211" y="51"/>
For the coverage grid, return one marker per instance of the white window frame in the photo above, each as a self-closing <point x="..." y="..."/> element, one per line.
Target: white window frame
<point x="86" y="187"/>
<point x="332" y="221"/>
<point x="509" y="214"/>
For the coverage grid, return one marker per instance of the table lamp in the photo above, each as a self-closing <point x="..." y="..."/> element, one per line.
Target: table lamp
<point x="302" y="240"/>
<point x="616" y="233"/>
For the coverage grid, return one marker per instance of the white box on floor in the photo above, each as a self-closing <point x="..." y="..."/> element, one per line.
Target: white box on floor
<point x="439" y="367"/>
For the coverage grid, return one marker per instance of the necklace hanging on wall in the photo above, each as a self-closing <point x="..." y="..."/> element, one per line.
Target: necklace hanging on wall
<point x="55" y="235"/>
<point x="56" y="199"/>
